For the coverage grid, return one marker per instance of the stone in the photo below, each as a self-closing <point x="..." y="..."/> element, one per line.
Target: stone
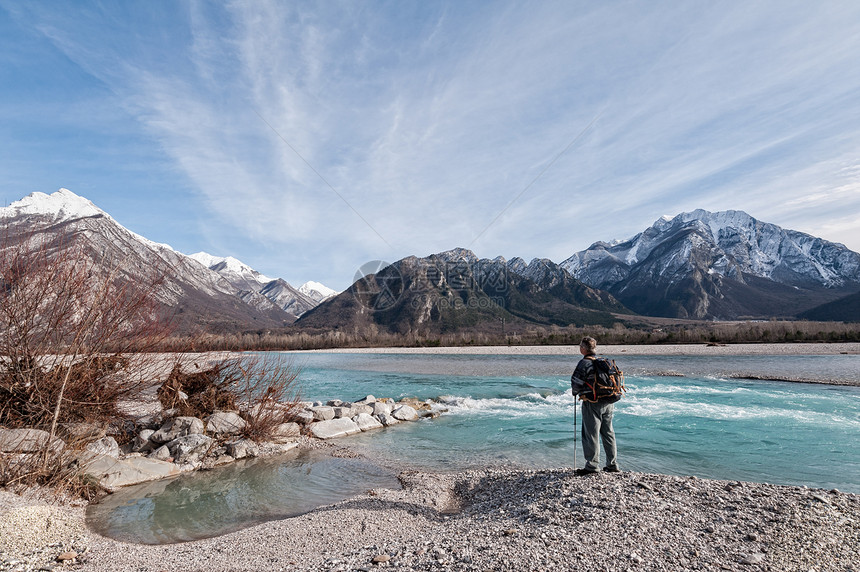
<point x="380" y="407"/>
<point x="381" y="558"/>
<point x="177" y="427"/>
<point x="366" y="422"/>
<point x="285" y="432"/>
<point x="104" y="446"/>
<point x="70" y="555"/>
<point x="333" y="428"/>
<point x="405" y="413"/>
<point x="225" y="423"/>
<point x="28" y="441"/>
<point x="343" y="411"/>
<point x="81" y="432"/>
<point x="323" y="413"/>
<point x="358" y="408"/>
<point x="757" y="558"/>
<point x="142" y="442"/>
<point x="337" y="403"/>
<point x="242" y="449"/>
<point x="367" y="400"/>
<point x="161" y="454"/>
<point x="190" y="448"/>
<point x="304" y="417"/>
<point x="113" y="473"/>
<point x="386" y="419"/>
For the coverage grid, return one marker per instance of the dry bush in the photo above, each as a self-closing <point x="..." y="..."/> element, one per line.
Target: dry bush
<point x="262" y="387"/>
<point x="76" y="335"/>
<point x="269" y="393"/>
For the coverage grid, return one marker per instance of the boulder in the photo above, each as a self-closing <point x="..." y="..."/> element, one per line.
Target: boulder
<point x="113" y="473"/>
<point x="304" y="417"/>
<point x="73" y="432"/>
<point x="386" y="419"/>
<point x="414" y="403"/>
<point x="381" y="407"/>
<point x="104" y="446"/>
<point x="189" y="448"/>
<point x="285" y="432"/>
<point x="405" y="413"/>
<point x="242" y="449"/>
<point x="142" y="442"/>
<point x="343" y="411"/>
<point x="225" y="423"/>
<point x="177" y="427"/>
<point x="366" y="422"/>
<point x="334" y="428"/>
<point x="358" y="408"/>
<point x="28" y="441"/>
<point x="161" y="454"/>
<point x="323" y="413"/>
<point x="337" y="403"/>
<point x="368" y="400"/>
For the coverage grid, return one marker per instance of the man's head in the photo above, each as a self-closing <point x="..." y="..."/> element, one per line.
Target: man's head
<point x="587" y="346"/>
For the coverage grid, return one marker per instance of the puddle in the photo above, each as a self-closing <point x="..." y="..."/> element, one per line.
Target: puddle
<point x="230" y="498"/>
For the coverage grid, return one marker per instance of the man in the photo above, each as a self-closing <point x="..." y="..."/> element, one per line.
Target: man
<point x="596" y="416"/>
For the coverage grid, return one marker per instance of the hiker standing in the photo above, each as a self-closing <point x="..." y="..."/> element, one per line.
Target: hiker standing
<point x="596" y="412"/>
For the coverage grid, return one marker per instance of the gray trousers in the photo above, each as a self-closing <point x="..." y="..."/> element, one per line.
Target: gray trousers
<point x="597" y="420"/>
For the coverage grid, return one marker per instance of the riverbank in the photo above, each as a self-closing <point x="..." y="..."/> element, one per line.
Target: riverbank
<point x="824" y="348"/>
<point x="530" y="520"/>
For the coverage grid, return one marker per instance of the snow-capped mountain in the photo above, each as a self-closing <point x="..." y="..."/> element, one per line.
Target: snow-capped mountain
<point x="317" y="292"/>
<point x="251" y="283"/>
<point x="200" y="297"/>
<point x="719" y="265"/>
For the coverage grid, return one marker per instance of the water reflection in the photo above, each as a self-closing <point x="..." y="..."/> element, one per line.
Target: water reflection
<point x="206" y="504"/>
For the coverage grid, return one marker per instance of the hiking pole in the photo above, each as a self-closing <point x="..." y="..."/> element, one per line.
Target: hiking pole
<point x="574" y="432"/>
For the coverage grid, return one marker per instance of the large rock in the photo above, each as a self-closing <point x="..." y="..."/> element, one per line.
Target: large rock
<point x="285" y="432"/>
<point x="405" y="413"/>
<point x="113" y="473"/>
<point x="368" y="400"/>
<point x="190" y="448"/>
<point x="104" y="446"/>
<point x="387" y="420"/>
<point x="366" y="422"/>
<point x="304" y="417"/>
<point x="77" y="432"/>
<point x="177" y="427"/>
<point x="242" y="449"/>
<point x="161" y="454"/>
<point x="334" y="428"/>
<point x="28" y="441"/>
<point x="323" y="413"/>
<point x="225" y="423"/>
<point x="142" y="442"/>
<point x="380" y="407"/>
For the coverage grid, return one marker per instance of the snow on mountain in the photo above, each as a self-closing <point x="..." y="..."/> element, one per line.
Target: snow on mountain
<point x="62" y="205"/>
<point x="231" y="268"/>
<point x="316" y="291"/>
<point x="685" y="259"/>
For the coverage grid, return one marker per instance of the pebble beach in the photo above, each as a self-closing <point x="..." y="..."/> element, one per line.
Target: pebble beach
<point x="492" y="519"/>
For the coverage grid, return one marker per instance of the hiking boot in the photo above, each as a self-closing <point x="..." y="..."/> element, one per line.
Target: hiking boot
<point x="612" y="469"/>
<point x="583" y="472"/>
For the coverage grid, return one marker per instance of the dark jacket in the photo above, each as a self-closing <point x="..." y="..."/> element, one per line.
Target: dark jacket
<point x="584" y="370"/>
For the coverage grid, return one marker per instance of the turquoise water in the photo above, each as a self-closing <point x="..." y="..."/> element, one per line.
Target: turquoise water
<point x="517" y="411"/>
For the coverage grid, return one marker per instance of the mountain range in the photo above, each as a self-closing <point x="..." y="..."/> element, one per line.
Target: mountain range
<point x="723" y="265"/>
<point x="700" y="265"/>
<point x="203" y="292"/>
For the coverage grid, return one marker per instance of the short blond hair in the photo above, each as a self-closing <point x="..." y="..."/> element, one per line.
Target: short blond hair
<point x="588" y="343"/>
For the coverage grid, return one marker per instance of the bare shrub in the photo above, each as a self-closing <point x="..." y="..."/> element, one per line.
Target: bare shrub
<point x="76" y="335"/>
<point x="269" y="393"/>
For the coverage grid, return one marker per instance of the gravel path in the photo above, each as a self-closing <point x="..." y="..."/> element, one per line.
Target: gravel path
<point x="531" y="520"/>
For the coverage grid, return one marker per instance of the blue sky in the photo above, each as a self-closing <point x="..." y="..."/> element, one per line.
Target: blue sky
<point x="308" y="138"/>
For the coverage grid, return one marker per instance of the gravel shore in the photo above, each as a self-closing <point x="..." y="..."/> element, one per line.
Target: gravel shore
<point x="524" y="520"/>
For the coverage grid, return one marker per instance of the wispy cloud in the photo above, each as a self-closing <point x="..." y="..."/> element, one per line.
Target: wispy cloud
<point x="429" y="119"/>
